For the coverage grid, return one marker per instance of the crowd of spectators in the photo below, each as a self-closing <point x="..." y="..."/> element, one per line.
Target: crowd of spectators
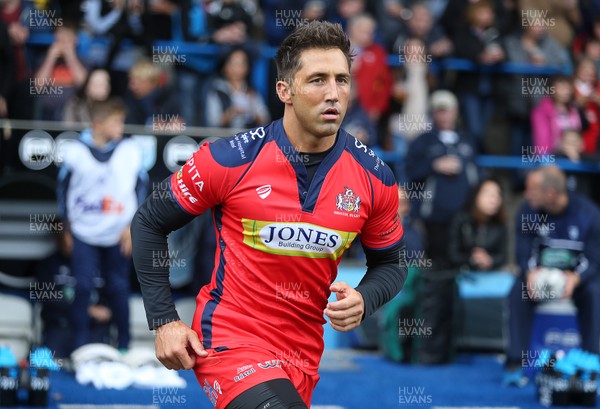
<point x="118" y="35"/>
<point x="433" y="121"/>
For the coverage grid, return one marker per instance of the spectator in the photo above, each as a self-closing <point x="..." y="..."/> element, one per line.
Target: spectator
<point x="370" y="71"/>
<point x="591" y="50"/>
<point x="157" y="20"/>
<point x="442" y="161"/>
<point x="478" y="235"/>
<point x="414" y="234"/>
<point x="281" y="16"/>
<point x="230" y="101"/>
<point x="148" y="96"/>
<point x="420" y="26"/>
<point x="60" y="74"/>
<point x="7" y="70"/>
<point x="456" y="15"/>
<point x="572" y="147"/>
<point x="555" y="229"/>
<point x="230" y="21"/>
<point x="95" y="88"/>
<point x="531" y="45"/>
<point x="586" y="37"/>
<point x="100" y="188"/>
<point x="409" y="116"/>
<point x="441" y="164"/>
<point x="16" y="70"/>
<point x="480" y="42"/>
<point x="115" y="20"/>
<point x="358" y="124"/>
<point x="587" y="96"/>
<point x="342" y="11"/>
<point x="190" y="25"/>
<point x="561" y="18"/>
<point x="555" y="113"/>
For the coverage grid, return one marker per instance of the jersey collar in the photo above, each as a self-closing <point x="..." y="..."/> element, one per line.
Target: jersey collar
<point x="308" y="195"/>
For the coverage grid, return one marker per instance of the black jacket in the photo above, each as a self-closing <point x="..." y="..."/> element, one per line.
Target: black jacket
<point x="465" y="234"/>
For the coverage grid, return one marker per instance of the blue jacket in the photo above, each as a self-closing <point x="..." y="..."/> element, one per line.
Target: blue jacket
<point x="442" y="196"/>
<point x="567" y="241"/>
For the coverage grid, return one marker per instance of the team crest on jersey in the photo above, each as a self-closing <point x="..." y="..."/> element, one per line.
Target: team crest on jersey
<point x="348" y="201"/>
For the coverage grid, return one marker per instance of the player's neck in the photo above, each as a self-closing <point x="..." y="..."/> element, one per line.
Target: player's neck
<point x="304" y="141"/>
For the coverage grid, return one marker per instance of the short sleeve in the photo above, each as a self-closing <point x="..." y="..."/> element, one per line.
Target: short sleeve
<point x="383" y="227"/>
<point x="200" y="184"/>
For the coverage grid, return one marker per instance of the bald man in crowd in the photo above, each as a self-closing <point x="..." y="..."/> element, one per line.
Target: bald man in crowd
<point x="555" y="228"/>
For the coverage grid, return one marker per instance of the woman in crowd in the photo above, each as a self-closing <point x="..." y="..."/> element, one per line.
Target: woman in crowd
<point x="230" y="101"/>
<point x="95" y="88"/>
<point x="555" y="113"/>
<point x="478" y="235"/>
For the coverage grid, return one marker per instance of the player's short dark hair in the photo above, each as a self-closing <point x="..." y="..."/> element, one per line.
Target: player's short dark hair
<point x="314" y="34"/>
<point x="100" y="110"/>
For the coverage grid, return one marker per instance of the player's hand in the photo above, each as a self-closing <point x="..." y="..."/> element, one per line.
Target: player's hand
<point x="345" y="313"/>
<point x="177" y="346"/>
<point x="573" y="280"/>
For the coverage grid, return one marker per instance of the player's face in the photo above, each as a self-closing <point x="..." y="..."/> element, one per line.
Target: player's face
<point x="320" y="91"/>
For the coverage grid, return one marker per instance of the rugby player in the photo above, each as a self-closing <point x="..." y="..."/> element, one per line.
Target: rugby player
<point x="287" y="200"/>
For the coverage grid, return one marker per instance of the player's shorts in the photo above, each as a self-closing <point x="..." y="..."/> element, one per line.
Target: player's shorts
<point x="223" y="375"/>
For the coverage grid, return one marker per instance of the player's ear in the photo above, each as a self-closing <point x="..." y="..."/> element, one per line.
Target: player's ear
<point x="284" y="91"/>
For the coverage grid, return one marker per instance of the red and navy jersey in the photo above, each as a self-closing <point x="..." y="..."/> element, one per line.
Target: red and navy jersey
<point x="279" y="239"/>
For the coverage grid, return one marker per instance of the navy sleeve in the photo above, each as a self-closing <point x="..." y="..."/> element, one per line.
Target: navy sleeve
<point x="155" y="219"/>
<point x="385" y="276"/>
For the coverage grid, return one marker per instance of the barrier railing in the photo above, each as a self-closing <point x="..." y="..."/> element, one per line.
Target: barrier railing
<point x="522" y="162"/>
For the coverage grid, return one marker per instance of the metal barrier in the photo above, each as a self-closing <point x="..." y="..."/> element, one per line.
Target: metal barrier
<point x="175" y="147"/>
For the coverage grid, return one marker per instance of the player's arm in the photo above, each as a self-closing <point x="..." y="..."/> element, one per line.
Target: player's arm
<point x="158" y="215"/>
<point x="384" y="278"/>
<point x="199" y="185"/>
<point x="386" y="273"/>
<point x="381" y="237"/>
